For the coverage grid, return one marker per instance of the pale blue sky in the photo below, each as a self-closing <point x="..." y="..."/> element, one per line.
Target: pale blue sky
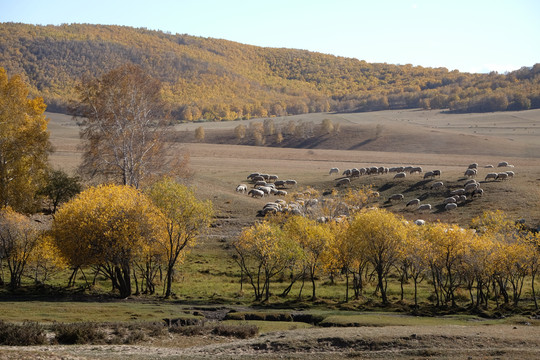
<point x="468" y="35"/>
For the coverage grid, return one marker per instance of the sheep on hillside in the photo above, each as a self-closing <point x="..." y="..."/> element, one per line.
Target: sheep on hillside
<point x="241" y="188"/>
<point x="334" y="170"/>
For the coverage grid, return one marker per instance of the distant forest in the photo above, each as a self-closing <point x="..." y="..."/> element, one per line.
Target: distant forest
<point x="211" y="79"/>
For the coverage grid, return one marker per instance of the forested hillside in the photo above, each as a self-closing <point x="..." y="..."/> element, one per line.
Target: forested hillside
<point x="205" y="78"/>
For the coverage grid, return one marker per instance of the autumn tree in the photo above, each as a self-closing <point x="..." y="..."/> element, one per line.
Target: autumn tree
<point x="314" y="240"/>
<point x="109" y="227"/>
<point x="24" y="144"/>
<point x="262" y="252"/>
<point x="183" y="217"/>
<point x="122" y="125"/>
<point x="18" y="238"/>
<point x="199" y="134"/>
<point x="240" y="131"/>
<point x="380" y="234"/>
<point x="59" y="188"/>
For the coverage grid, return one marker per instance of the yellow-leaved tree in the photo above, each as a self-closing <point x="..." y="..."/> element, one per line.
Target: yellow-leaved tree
<point x="24" y="144"/>
<point x="379" y="234"/>
<point x="109" y="227"/>
<point x="183" y="217"/>
<point x="263" y="252"/>
<point x="19" y="236"/>
<point x="314" y="240"/>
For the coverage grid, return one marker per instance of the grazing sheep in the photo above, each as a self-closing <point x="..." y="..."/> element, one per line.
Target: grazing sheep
<point x="449" y="200"/>
<point x="470" y="172"/>
<point x="267" y="190"/>
<point x="241" y="188"/>
<point x="473" y="166"/>
<point x="265" y="176"/>
<point x="458" y="192"/>
<point x="347" y="172"/>
<point x="471" y="181"/>
<point x="344" y="181"/>
<point x="413" y="202"/>
<point x="362" y="171"/>
<point x="477" y="192"/>
<point x="463" y="198"/>
<point x="416" y="169"/>
<point x="334" y="170"/>
<point x="437" y="173"/>
<point x="280" y="183"/>
<point x="407" y="168"/>
<point x="355" y="172"/>
<point x="428" y="174"/>
<point x="419" y="222"/>
<point x="280" y="193"/>
<point x="510" y="174"/>
<point x="503" y="164"/>
<point x="450" y="206"/>
<point x="502" y="176"/>
<point x="272" y="177"/>
<point x="396" y="197"/>
<point x="471" y="187"/>
<point x="290" y="182"/>
<point x="400" y="175"/>
<point x="491" y="176"/>
<point x="257" y="178"/>
<point x="256" y="193"/>
<point x="437" y="185"/>
<point x="424" y="207"/>
<point x="252" y="175"/>
<point x="260" y="183"/>
<point x="489" y="166"/>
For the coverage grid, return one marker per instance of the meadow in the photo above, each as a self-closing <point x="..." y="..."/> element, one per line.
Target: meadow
<point x="209" y="279"/>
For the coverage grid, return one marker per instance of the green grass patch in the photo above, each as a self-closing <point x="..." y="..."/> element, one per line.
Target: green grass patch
<point x="270" y="326"/>
<point x="48" y="311"/>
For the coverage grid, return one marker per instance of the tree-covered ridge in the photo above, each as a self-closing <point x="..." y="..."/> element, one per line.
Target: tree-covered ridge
<point x="223" y="80"/>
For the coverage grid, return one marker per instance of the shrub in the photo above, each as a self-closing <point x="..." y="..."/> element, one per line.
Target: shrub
<point x="237" y="331"/>
<point x="29" y="333"/>
<point x="78" y="333"/>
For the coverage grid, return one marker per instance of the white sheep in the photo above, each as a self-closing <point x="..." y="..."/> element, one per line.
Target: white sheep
<point x="396" y="197"/>
<point x="424" y="207"/>
<point x="502" y="176"/>
<point x="413" y="202"/>
<point x="503" y="164"/>
<point x="256" y="193"/>
<point x="334" y="170"/>
<point x="491" y="176"/>
<point x="241" y="188"/>
<point x="470" y="172"/>
<point x="450" y="206"/>
<point x="458" y="192"/>
<point x="510" y="173"/>
<point x="400" y="175"/>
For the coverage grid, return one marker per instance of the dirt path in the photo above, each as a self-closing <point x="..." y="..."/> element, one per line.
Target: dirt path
<point x="395" y="342"/>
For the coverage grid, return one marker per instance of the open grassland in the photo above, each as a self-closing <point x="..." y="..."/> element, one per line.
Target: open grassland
<point x="430" y="139"/>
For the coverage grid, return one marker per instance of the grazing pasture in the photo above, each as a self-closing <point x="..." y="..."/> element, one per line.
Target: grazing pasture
<point x="431" y="140"/>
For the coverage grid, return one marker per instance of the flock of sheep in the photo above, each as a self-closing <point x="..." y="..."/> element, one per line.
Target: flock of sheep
<point x="265" y="185"/>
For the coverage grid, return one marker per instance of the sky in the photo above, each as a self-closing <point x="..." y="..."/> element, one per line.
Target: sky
<point x="467" y="35"/>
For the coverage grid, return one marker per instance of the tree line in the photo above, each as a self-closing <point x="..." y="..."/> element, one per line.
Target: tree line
<point x="210" y="79"/>
<point x="492" y="260"/>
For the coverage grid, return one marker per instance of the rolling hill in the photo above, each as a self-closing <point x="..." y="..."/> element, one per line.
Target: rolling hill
<point x="205" y="78"/>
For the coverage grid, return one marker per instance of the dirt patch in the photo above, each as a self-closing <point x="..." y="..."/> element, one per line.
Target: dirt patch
<point x="397" y="342"/>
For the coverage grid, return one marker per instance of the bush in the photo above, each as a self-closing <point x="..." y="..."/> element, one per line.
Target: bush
<point x="237" y="331"/>
<point x="29" y="333"/>
<point x="78" y="333"/>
